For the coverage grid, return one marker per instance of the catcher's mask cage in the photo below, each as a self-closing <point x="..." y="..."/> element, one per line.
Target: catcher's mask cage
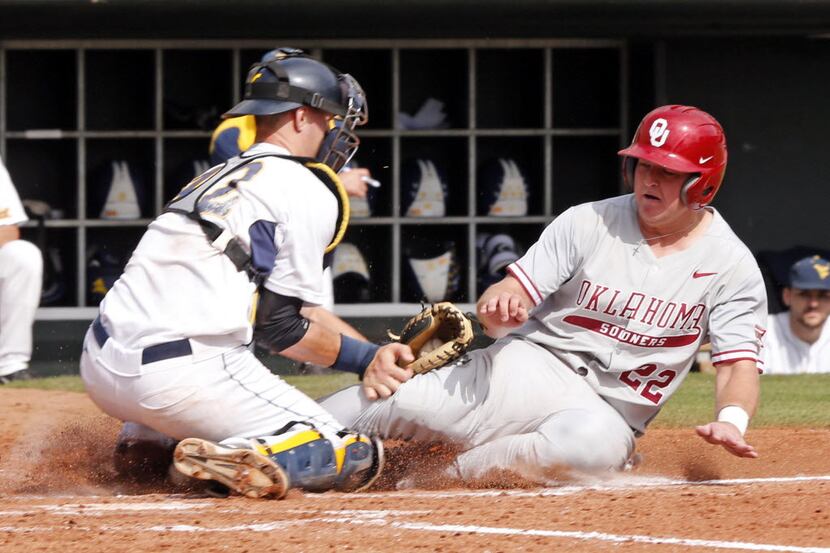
<point x="288" y="78"/>
<point x="341" y="142"/>
<point x="683" y="139"/>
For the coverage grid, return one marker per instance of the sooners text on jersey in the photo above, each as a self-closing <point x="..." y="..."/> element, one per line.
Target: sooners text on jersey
<point x="645" y="309"/>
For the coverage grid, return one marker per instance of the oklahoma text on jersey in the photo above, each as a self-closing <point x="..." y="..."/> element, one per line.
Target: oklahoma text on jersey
<point x="645" y="309"/>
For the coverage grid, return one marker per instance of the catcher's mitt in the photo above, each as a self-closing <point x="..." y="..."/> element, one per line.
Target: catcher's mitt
<point x="437" y="335"/>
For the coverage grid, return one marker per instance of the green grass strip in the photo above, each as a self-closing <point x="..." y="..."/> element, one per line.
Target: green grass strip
<point x="793" y="400"/>
<point x="786" y="400"/>
<point x="59" y="383"/>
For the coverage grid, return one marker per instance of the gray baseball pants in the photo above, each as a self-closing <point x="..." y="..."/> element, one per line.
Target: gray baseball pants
<point x="513" y="405"/>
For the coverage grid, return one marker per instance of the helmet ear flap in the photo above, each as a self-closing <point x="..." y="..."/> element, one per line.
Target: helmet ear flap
<point x="629" y="165"/>
<point x="689" y="194"/>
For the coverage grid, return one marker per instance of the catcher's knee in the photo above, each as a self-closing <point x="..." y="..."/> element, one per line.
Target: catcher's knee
<point x="141" y="453"/>
<point x="350" y="462"/>
<point x="585" y="441"/>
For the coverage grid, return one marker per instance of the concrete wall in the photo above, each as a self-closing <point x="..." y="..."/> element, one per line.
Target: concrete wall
<point x="772" y="98"/>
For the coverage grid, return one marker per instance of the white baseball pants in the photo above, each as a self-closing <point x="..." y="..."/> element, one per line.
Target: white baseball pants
<point x="223" y="396"/>
<point x="21" y="279"/>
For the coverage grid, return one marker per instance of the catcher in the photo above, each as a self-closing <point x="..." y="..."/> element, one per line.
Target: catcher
<point x="599" y="323"/>
<point x="169" y="348"/>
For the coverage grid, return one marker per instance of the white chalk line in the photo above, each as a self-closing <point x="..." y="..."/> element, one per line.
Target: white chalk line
<point x="618" y="484"/>
<point x="380" y="519"/>
<point x="614" y="538"/>
<point x="100" y="509"/>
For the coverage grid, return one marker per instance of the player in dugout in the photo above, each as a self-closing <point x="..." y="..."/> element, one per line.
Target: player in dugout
<point x="21" y="272"/>
<point x="798" y="339"/>
<point x="598" y="324"/>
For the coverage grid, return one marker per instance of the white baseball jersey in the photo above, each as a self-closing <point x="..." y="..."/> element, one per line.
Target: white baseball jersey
<point x="176" y="285"/>
<point x="785" y="353"/>
<point x="11" y="210"/>
<point x="630" y="322"/>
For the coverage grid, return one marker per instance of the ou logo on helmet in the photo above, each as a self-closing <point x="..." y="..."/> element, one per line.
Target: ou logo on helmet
<point x="659" y="132"/>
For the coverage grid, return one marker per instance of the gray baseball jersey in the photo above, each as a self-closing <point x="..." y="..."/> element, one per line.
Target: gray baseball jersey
<point x="632" y="322"/>
<point x="612" y="336"/>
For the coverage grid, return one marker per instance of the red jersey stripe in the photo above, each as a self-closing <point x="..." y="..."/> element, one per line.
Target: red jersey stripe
<point x="528" y="285"/>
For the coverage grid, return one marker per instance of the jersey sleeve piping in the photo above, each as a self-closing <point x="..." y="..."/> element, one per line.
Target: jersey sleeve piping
<point x="526" y="282"/>
<point x="735" y="355"/>
<point x="730" y="351"/>
<point x="736" y="359"/>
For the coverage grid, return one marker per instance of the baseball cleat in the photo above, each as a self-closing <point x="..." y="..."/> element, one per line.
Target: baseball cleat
<point x="19" y="375"/>
<point x="244" y="471"/>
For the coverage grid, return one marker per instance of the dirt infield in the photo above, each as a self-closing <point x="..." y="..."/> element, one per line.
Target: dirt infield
<point x="58" y="492"/>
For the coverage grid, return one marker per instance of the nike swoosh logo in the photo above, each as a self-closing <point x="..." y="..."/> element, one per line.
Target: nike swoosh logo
<point x="703" y="160"/>
<point x="701" y="275"/>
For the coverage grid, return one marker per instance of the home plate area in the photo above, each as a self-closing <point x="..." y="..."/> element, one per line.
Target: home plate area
<point x="629" y="513"/>
<point x="59" y="493"/>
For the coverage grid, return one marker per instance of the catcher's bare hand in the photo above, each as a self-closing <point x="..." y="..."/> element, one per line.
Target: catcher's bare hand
<point x="384" y="374"/>
<point x="727" y="435"/>
<point x="501" y="311"/>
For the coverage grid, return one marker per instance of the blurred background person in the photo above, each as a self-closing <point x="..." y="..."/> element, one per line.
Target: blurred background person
<point x="798" y="340"/>
<point x="21" y="279"/>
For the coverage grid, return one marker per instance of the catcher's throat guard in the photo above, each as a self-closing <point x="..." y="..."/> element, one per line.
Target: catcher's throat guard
<point x="341" y="143"/>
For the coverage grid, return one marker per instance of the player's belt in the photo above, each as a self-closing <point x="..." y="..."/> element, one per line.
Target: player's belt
<point x="151" y="354"/>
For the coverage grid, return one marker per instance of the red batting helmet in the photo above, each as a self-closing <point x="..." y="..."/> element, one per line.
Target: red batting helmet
<point x="683" y="139"/>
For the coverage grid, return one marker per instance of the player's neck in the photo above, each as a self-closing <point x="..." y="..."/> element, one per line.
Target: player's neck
<point x="279" y="132"/>
<point x="277" y="140"/>
<point x="676" y="235"/>
<point x="684" y="223"/>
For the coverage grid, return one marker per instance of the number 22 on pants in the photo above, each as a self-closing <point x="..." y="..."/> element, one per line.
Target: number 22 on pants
<point x="648" y="386"/>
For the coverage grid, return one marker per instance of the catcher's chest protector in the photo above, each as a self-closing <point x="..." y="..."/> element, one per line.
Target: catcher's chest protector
<point x="191" y="201"/>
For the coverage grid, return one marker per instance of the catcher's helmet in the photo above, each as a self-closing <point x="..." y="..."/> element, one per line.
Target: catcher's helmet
<point x="288" y="78"/>
<point x="684" y="139"/>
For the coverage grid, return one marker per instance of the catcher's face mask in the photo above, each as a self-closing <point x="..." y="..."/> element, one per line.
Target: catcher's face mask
<point x="341" y="142"/>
